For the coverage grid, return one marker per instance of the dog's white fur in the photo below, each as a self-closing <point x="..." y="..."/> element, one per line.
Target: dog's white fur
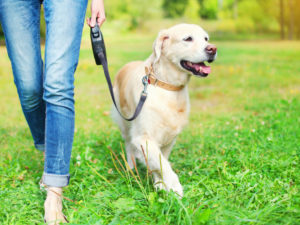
<point x="165" y="113"/>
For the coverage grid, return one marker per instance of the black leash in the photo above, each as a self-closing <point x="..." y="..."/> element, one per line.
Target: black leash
<point x="99" y="51"/>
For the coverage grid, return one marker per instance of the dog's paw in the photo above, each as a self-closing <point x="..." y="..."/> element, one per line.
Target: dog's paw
<point x="174" y="184"/>
<point x="160" y="185"/>
<point x="171" y="183"/>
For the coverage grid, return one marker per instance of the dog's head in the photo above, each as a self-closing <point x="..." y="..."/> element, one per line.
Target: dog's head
<point x="187" y="47"/>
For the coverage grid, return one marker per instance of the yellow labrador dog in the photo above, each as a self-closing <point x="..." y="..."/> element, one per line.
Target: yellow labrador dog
<point x="178" y="53"/>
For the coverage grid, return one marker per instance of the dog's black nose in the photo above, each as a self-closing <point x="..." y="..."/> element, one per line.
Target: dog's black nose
<point x="211" y="49"/>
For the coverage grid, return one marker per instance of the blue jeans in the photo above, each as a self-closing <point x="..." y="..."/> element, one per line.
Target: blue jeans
<point x="46" y="91"/>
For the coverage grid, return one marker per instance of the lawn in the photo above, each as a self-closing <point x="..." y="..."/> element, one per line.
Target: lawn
<point x="238" y="159"/>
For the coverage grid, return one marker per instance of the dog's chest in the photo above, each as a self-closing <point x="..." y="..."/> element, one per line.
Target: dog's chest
<point x="171" y="115"/>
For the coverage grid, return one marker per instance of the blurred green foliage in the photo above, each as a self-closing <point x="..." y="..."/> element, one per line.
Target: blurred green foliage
<point x="133" y="13"/>
<point x="230" y="17"/>
<point x="1" y="32"/>
<point x="174" y="8"/>
<point x="208" y="9"/>
<point x="43" y="24"/>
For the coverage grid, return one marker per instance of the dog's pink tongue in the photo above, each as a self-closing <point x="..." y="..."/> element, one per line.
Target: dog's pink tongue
<point x="202" y="68"/>
<point x="206" y="69"/>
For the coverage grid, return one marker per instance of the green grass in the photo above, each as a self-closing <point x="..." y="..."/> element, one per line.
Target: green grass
<point x="238" y="159"/>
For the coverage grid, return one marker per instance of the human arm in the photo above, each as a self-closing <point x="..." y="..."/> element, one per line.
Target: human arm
<point x="98" y="13"/>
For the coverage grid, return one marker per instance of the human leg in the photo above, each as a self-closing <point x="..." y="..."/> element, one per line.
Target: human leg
<point x="21" y="25"/>
<point x="64" y="21"/>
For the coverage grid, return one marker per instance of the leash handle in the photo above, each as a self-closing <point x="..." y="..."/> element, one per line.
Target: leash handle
<point x="98" y="44"/>
<point x="99" y="52"/>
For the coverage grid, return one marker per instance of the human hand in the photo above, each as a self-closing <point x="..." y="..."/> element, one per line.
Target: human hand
<point x="98" y="13"/>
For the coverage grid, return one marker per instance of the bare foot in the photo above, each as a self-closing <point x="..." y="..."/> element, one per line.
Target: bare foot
<point x="53" y="207"/>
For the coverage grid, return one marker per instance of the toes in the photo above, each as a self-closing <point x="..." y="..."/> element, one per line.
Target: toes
<point x="178" y="190"/>
<point x="173" y="185"/>
<point x="160" y="185"/>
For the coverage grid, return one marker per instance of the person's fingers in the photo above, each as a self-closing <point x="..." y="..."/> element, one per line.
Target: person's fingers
<point x="98" y="13"/>
<point x="101" y="20"/>
<point x="93" y="18"/>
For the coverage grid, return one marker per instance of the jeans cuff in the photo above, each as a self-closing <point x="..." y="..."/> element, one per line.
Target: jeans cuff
<point x="40" y="147"/>
<point x="54" y="180"/>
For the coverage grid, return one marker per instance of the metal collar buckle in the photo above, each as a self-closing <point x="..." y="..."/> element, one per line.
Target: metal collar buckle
<point x="145" y="81"/>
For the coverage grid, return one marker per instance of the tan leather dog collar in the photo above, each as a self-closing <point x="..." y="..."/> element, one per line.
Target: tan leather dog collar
<point x="156" y="82"/>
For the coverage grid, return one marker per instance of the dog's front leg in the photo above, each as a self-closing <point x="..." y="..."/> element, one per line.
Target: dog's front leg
<point x="166" y="150"/>
<point x="164" y="176"/>
<point x="130" y="154"/>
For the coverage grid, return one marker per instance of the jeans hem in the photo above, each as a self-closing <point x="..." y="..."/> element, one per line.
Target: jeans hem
<point x="55" y="180"/>
<point x="40" y="147"/>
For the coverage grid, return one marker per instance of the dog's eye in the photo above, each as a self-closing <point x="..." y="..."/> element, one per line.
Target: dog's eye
<point x="188" y="38"/>
<point x="206" y="38"/>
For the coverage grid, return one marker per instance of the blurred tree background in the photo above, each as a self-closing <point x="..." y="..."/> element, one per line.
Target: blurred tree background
<point x="228" y="18"/>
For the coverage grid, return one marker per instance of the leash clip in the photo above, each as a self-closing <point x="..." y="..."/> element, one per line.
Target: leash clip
<point x="145" y="81"/>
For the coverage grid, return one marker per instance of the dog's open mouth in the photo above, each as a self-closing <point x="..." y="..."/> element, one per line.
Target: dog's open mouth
<point x="198" y="69"/>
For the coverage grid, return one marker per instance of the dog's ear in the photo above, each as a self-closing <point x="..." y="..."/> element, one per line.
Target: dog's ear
<point x="159" y="44"/>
